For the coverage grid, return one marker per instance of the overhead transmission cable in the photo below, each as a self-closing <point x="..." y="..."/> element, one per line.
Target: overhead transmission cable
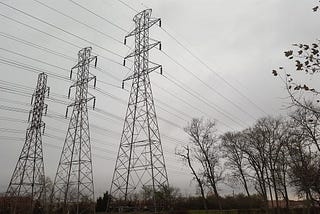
<point x="108" y="59"/>
<point x="97" y="68"/>
<point x="211" y="88"/>
<point x="202" y="62"/>
<point x="56" y="115"/>
<point x="24" y="12"/>
<point x="213" y="71"/>
<point x="55" y="37"/>
<point x="59" y="28"/>
<point x="101" y="17"/>
<point x="76" y="20"/>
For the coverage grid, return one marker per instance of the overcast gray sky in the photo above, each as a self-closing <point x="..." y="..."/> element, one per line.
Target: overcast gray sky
<point x="241" y="41"/>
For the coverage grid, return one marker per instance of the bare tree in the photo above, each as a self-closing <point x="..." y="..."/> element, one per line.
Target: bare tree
<point x="254" y="150"/>
<point x="272" y="131"/>
<point x="263" y="146"/>
<point x="233" y="147"/>
<point x="304" y="171"/>
<point x="205" y="144"/>
<point x="203" y="151"/>
<point x="304" y="167"/>
<point x="184" y="154"/>
<point x="308" y="122"/>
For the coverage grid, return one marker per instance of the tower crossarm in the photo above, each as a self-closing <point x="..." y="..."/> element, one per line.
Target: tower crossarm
<point x="149" y="24"/>
<point x="145" y="72"/>
<point x="86" y="61"/>
<point x="138" y="52"/>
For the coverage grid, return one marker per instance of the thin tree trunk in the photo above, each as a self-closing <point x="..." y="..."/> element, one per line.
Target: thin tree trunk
<point x="285" y="188"/>
<point x="210" y="172"/>
<point x="204" y="200"/>
<point x="275" y="189"/>
<point x="270" y="190"/>
<point x="244" y="181"/>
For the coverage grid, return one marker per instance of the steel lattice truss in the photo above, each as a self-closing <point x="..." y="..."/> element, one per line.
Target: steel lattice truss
<point x="140" y="163"/>
<point x="28" y="180"/>
<point x="73" y="182"/>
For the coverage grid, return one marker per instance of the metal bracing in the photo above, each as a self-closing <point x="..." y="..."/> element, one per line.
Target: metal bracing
<point x="28" y="179"/>
<point x="140" y="164"/>
<point x="73" y="190"/>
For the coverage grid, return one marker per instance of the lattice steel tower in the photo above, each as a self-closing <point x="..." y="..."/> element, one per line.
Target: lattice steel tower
<point x="27" y="182"/>
<point x="140" y="164"/>
<point x="73" y="184"/>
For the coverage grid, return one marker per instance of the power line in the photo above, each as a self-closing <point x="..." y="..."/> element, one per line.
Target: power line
<point x="199" y="97"/>
<point x="56" y="54"/>
<point x="60" y="55"/>
<point x="213" y="71"/>
<point x="95" y="155"/>
<point x="208" y="67"/>
<point x="173" y="82"/>
<point x="127" y="5"/>
<point x="65" y="31"/>
<point x="6" y="90"/>
<point x="15" y="102"/>
<point x="120" y="100"/>
<point x="205" y="64"/>
<point x="30" y="68"/>
<point x="179" y="98"/>
<point x="13" y="109"/>
<point x="117" y="99"/>
<point x="207" y="85"/>
<point x="13" y="119"/>
<point x="49" y="145"/>
<point x="36" y="29"/>
<point x="16" y="131"/>
<point x="90" y="11"/>
<point x="55" y="37"/>
<point x="53" y="114"/>
<point x="82" y="23"/>
<point x="26" y="91"/>
<point x="30" y="44"/>
<point x="35" y="70"/>
<point x="97" y="110"/>
<point x="184" y="69"/>
<point x="103" y="132"/>
<point x="55" y="66"/>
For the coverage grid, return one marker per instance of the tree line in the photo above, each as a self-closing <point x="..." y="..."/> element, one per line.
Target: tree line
<point x="274" y="158"/>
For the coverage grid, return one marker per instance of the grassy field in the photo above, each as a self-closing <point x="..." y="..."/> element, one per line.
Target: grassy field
<point x="255" y="211"/>
<point x="213" y="212"/>
<point x="250" y="211"/>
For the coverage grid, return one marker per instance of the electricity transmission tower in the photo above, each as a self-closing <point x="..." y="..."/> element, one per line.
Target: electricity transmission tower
<point x="140" y="164"/>
<point x="73" y="184"/>
<point x="28" y="181"/>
